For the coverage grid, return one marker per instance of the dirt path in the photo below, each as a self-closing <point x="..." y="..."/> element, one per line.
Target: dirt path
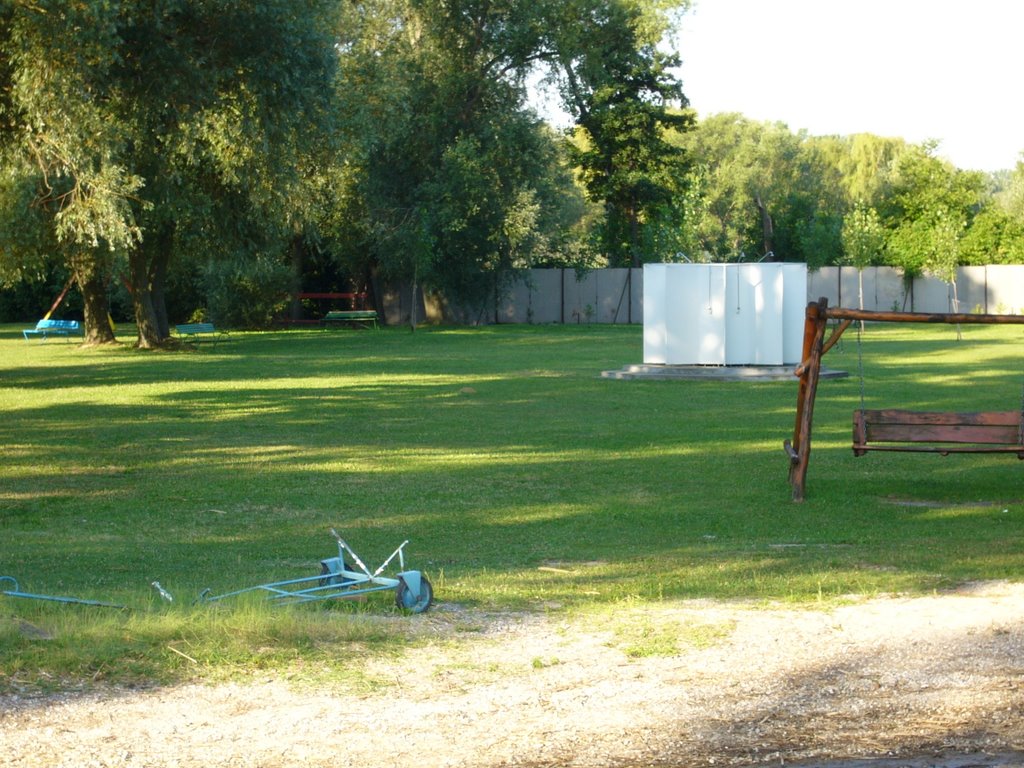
<point x="905" y="682"/>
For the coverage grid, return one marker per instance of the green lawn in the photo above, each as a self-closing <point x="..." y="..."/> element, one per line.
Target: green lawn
<point x="522" y="479"/>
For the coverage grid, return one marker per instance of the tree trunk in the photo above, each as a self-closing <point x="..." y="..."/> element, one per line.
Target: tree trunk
<point x="91" y="276"/>
<point x="767" y="228"/>
<point x="956" y="307"/>
<point x="634" y="234"/>
<point x="297" y="264"/>
<point x="413" y="319"/>
<point x="142" y="299"/>
<point x="158" y="286"/>
<point x="860" y="293"/>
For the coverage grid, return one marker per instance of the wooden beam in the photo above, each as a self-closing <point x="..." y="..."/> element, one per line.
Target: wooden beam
<point x="842" y="313"/>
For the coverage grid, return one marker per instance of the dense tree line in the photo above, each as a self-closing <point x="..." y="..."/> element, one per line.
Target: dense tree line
<point x="759" y="188"/>
<point x="147" y="146"/>
<point x="181" y="156"/>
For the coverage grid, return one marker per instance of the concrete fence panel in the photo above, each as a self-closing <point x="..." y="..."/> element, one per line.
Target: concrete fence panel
<point x="517" y="305"/>
<point x="888" y="290"/>
<point x="580" y="296"/>
<point x="970" y="289"/>
<point x="616" y="295"/>
<point x="1005" y="288"/>
<point x="932" y="295"/>
<point x="824" y="283"/>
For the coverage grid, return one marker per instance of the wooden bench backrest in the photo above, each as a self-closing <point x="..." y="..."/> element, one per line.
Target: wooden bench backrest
<point x="897" y="426"/>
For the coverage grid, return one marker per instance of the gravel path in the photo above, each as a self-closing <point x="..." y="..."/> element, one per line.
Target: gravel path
<point x="930" y="681"/>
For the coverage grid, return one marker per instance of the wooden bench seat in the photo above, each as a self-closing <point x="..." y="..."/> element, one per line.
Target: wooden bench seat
<point x="47" y="328"/>
<point x="937" y="432"/>
<point x="361" y="318"/>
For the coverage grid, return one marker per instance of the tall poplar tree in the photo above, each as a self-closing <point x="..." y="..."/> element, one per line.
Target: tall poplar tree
<point x="619" y="87"/>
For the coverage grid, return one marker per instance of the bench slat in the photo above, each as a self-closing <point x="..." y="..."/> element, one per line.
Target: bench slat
<point x="363" y="317"/>
<point x="937" y="431"/>
<point x="195" y="330"/>
<point x="53" y="327"/>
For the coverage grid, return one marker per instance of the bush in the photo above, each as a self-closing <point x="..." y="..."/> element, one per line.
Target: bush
<point x="245" y="292"/>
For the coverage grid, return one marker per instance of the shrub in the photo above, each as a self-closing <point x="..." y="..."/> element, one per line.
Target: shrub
<point x="245" y="292"/>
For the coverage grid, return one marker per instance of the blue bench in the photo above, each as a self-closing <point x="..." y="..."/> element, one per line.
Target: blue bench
<point x="46" y="328"/>
<point x="196" y="331"/>
<point x="360" y="318"/>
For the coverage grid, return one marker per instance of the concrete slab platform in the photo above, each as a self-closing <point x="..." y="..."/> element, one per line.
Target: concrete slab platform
<point x="712" y="373"/>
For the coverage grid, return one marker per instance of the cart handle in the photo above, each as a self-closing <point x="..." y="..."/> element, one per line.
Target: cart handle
<point x="401" y="557"/>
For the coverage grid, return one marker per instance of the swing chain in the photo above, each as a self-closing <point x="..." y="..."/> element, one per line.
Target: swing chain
<point x="860" y="366"/>
<point x="1022" y="404"/>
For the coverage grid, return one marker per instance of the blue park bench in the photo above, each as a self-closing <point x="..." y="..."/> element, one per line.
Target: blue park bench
<point x="196" y="331"/>
<point x="46" y="328"/>
<point x="364" y="318"/>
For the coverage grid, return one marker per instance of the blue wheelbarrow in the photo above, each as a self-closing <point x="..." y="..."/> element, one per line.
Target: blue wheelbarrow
<point x="339" y="580"/>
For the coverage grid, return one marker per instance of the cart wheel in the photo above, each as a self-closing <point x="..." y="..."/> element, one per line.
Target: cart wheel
<point x="330" y="578"/>
<point x="404" y="597"/>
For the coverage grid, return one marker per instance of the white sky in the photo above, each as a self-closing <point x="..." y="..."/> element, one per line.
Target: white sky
<point x="919" y="69"/>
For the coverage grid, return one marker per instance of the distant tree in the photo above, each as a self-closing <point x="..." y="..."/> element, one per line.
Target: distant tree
<point x="450" y="181"/>
<point x="994" y="237"/>
<point x="812" y="219"/>
<point x="749" y="174"/>
<point x="863" y="241"/>
<point x="996" y="234"/>
<point x="619" y="87"/>
<point x="866" y="164"/>
<point x="928" y="208"/>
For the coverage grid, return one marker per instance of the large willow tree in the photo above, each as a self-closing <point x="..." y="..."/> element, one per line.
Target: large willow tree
<point x="128" y="118"/>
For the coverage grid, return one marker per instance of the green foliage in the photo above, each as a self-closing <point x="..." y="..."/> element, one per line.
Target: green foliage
<point x="27" y="245"/>
<point x="763" y="189"/>
<point x="135" y="115"/>
<point x="62" y="119"/>
<point x="758" y="187"/>
<point x="244" y="292"/>
<point x="449" y="182"/>
<point x="863" y="237"/>
<point x="994" y="237"/>
<point x="620" y="88"/>
<point x="865" y="162"/>
<point x="927" y="210"/>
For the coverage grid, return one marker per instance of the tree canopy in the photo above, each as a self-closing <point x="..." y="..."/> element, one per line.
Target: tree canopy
<point x="215" y="156"/>
<point x="130" y="120"/>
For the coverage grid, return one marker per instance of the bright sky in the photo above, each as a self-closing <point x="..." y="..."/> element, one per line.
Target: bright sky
<point x="919" y="69"/>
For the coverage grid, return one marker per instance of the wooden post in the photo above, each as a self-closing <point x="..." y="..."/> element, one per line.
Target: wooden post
<point x="809" y="371"/>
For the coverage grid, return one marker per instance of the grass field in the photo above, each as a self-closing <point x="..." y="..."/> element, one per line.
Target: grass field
<point x="522" y="479"/>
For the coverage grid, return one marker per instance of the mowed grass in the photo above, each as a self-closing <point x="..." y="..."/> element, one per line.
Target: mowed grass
<point x="523" y="480"/>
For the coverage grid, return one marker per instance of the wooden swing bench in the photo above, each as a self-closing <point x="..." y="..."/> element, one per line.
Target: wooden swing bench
<point x="894" y="430"/>
<point x="937" y="432"/>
